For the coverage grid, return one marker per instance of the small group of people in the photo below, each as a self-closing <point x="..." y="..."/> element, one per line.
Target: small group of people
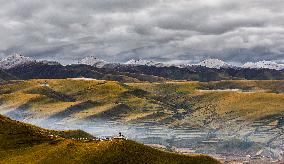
<point x="120" y="136"/>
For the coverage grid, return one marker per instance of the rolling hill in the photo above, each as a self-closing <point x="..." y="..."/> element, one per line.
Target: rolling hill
<point x="24" y="143"/>
<point x="171" y="102"/>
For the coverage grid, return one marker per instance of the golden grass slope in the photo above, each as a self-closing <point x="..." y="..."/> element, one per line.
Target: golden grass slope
<point x="24" y="143"/>
<point x="197" y="104"/>
<point x="214" y="104"/>
<point x="15" y="134"/>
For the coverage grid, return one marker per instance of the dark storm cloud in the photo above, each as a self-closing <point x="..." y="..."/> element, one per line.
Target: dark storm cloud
<point x="167" y="30"/>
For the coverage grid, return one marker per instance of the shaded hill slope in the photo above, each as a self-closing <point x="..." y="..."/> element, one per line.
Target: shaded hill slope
<point x="200" y="73"/>
<point x="46" y="71"/>
<point x="141" y="73"/>
<point x="4" y="76"/>
<point x="24" y="143"/>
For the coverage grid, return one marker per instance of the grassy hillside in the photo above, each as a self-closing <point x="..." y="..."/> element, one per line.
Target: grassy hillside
<point x="175" y="103"/>
<point x="15" y="134"/>
<point x="24" y="143"/>
<point x="212" y="104"/>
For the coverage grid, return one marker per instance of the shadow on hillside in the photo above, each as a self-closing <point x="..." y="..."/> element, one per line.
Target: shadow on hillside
<point x="74" y="109"/>
<point x="112" y="113"/>
<point x="20" y="113"/>
<point x="277" y="118"/>
<point x="1" y="101"/>
<point x="52" y="94"/>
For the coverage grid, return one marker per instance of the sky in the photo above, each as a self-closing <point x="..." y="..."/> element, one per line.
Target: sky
<point x="177" y="31"/>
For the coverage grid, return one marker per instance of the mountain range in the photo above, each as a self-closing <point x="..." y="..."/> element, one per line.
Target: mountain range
<point x="22" y="67"/>
<point x="209" y="63"/>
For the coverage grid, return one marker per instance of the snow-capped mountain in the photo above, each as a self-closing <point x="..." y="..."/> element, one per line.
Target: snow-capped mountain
<point x="93" y="61"/>
<point x="214" y="63"/>
<point x="264" y="64"/>
<point x="14" y="60"/>
<point x="144" y="62"/>
<point x="47" y="62"/>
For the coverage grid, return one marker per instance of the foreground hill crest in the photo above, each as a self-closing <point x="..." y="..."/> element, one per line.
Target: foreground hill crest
<point x="24" y="143"/>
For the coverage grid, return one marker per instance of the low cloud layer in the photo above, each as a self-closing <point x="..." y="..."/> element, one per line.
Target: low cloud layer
<point x="162" y="30"/>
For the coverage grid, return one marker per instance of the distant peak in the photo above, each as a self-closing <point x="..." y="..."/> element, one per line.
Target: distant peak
<point x="13" y="60"/>
<point x="144" y="62"/>
<point x="264" y="64"/>
<point x="93" y="61"/>
<point x="16" y="55"/>
<point x="214" y="63"/>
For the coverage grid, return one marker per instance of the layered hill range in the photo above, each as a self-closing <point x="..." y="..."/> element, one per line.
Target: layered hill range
<point x="21" y="67"/>
<point x="235" y="118"/>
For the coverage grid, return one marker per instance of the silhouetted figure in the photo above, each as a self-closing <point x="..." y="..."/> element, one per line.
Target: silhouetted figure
<point x="45" y="84"/>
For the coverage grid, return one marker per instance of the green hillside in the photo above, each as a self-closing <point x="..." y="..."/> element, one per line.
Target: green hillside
<point x="24" y="143"/>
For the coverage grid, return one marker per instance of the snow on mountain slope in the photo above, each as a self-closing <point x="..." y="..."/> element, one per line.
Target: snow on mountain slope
<point x="264" y="64"/>
<point x="18" y="59"/>
<point x="144" y="62"/>
<point x="14" y="60"/>
<point x="214" y="63"/>
<point x="93" y="61"/>
<point x="47" y="62"/>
